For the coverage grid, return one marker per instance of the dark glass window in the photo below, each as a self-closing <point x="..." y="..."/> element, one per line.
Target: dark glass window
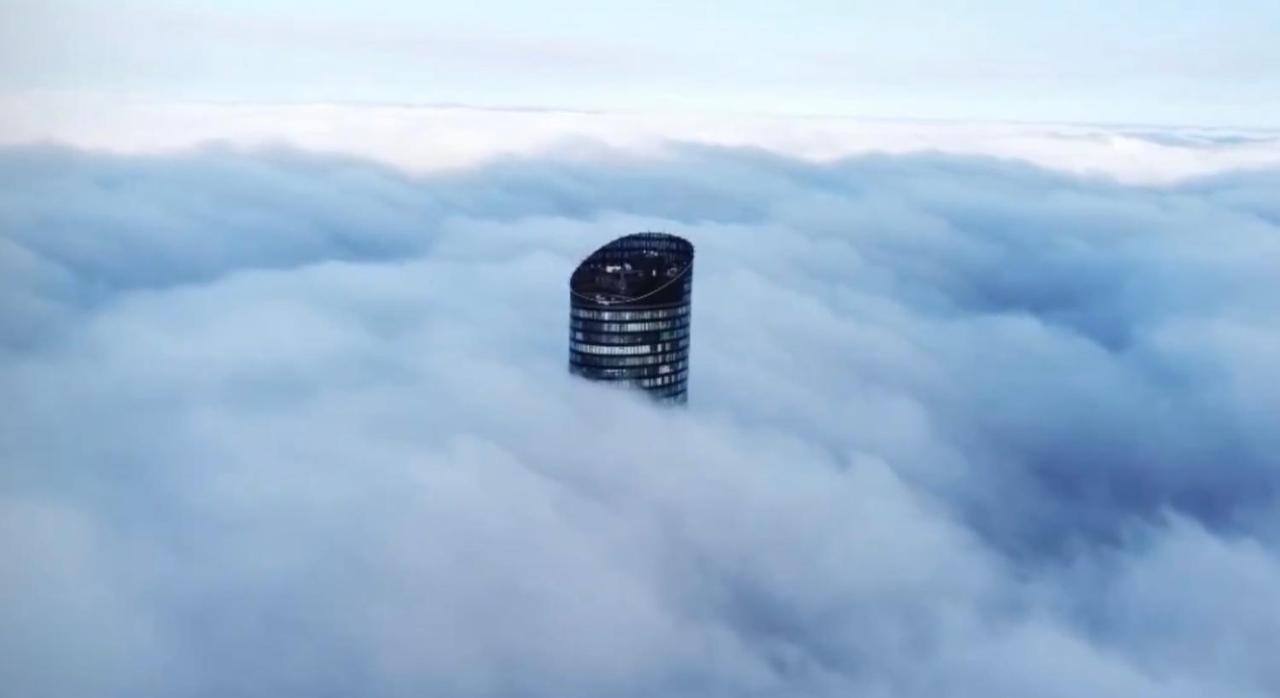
<point x="629" y="314"/>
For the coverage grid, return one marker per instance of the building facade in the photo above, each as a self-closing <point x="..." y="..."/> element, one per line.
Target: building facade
<point x="629" y="314"/>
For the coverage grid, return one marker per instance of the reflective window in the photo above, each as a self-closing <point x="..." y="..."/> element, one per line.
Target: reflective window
<point x="599" y="326"/>
<point x="657" y="348"/>
<point x="629" y="338"/>
<point x="676" y="360"/>
<point x="628" y="315"/>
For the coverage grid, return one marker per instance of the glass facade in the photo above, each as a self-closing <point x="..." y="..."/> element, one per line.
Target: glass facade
<point x="629" y="314"/>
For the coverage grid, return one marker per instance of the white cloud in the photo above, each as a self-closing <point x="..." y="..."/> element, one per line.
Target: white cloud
<point x="433" y="138"/>
<point x="286" y="424"/>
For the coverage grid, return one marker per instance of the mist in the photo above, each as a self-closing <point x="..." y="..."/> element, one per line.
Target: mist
<point x="285" y="423"/>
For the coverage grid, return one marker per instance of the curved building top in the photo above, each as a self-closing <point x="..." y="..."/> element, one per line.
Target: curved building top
<point x="639" y="270"/>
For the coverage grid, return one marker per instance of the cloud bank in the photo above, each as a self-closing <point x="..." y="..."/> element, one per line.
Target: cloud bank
<point x="286" y="424"/>
<point x="427" y="138"/>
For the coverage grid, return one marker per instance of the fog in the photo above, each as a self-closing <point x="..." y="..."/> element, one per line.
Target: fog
<point x="281" y="423"/>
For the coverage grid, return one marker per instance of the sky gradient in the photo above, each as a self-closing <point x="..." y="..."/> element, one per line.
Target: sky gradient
<point x="1143" y="61"/>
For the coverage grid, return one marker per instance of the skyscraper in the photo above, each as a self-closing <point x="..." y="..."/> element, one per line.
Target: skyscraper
<point x="629" y="314"/>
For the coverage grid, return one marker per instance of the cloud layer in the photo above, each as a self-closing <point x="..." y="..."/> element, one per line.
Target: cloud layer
<point x="285" y="424"/>
<point x="428" y="138"/>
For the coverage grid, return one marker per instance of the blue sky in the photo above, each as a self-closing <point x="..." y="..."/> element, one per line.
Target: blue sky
<point x="1141" y="61"/>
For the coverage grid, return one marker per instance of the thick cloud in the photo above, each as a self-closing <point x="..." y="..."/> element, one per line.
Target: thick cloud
<point x="282" y="424"/>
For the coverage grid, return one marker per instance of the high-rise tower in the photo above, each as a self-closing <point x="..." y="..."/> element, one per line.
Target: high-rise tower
<point x="629" y="314"/>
